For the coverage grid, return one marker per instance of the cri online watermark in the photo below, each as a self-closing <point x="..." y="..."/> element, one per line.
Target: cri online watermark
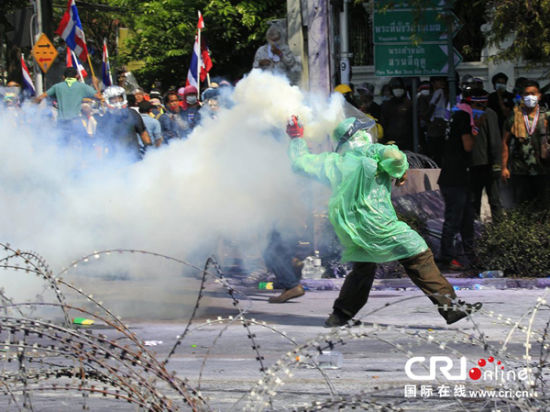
<point x="488" y="369"/>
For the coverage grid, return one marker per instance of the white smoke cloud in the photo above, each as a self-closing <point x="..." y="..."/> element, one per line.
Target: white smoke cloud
<point x="231" y="179"/>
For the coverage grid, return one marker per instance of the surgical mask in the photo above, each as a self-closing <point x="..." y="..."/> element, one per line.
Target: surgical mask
<point x="424" y="92"/>
<point x="116" y="105"/>
<point x="191" y="99"/>
<point x="530" y="101"/>
<point x="385" y="98"/>
<point x="398" y="92"/>
<point x="500" y="86"/>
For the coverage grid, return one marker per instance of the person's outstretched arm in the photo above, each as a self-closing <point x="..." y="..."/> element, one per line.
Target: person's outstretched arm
<point x="323" y="166"/>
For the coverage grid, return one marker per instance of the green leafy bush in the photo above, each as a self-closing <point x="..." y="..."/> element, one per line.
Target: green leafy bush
<point x="518" y="244"/>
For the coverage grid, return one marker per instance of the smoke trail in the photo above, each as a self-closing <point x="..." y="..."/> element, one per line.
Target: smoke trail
<point x="231" y="179"/>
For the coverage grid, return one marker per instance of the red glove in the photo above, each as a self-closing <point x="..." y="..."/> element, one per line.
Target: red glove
<point x="294" y="129"/>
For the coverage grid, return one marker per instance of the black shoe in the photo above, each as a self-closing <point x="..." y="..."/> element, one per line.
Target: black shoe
<point x="335" y="320"/>
<point x="459" y="311"/>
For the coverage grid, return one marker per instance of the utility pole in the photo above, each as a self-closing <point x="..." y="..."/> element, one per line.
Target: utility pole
<point x="344" y="44"/>
<point x="38" y="77"/>
<point x="451" y="54"/>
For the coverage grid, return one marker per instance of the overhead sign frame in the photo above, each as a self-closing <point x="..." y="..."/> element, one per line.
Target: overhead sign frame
<point x="427" y="59"/>
<point x="399" y="26"/>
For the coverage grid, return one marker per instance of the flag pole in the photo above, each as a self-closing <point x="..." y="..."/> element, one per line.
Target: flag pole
<point x="90" y="64"/>
<point x="107" y="60"/>
<point x="199" y="58"/>
<point x="75" y="61"/>
<point x="94" y="82"/>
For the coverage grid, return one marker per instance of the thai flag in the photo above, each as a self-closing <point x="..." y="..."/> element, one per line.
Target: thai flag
<point x="200" y="56"/>
<point x="200" y="24"/>
<point x="72" y="61"/>
<point x="27" y="79"/>
<point x="192" y="78"/>
<point x="70" y="29"/>
<point x="105" y="67"/>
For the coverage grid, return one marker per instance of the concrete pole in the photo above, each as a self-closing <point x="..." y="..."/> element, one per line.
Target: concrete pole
<point x="450" y="49"/>
<point x="38" y="77"/>
<point x="319" y="84"/>
<point x="318" y="47"/>
<point x="344" y="45"/>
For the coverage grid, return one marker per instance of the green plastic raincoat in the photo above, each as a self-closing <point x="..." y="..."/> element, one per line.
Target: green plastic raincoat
<point x="360" y="207"/>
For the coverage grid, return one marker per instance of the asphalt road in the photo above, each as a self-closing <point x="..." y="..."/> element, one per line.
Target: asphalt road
<point x="217" y="355"/>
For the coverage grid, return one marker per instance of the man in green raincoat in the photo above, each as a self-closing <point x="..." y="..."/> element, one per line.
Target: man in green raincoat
<point x="360" y="174"/>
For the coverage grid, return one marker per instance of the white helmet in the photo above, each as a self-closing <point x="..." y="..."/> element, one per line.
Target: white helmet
<point x="115" y="97"/>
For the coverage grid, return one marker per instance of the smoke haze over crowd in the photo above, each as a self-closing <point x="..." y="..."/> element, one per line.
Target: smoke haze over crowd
<point x="231" y="179"/>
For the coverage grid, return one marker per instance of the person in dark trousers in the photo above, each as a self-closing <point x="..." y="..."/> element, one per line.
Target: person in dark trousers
<point x="361" y="174"/>
<point x="454" y="183"/>
<point x="486" y="165"/>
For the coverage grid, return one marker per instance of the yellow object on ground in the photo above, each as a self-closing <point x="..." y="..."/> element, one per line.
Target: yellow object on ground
<point x="83" y="321"/>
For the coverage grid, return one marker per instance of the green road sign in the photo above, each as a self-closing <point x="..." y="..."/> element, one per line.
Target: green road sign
<point x="398" y="26"/>
<point x="409" y="60"/>
<point x="404" y="4"/>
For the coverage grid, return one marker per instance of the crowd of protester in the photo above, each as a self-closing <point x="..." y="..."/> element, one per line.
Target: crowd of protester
<point x="88" y="118"/>
<point x="497" y="142"/>
<point x="483" y="141"/>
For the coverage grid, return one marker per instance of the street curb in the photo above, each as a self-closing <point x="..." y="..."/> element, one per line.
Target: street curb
<point x="457" y="283"/>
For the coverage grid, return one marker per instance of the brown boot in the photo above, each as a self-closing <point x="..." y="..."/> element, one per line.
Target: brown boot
<point x="295" y="292"/>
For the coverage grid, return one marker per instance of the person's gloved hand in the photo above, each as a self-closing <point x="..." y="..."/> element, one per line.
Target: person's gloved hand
<point x="294" y="129"/>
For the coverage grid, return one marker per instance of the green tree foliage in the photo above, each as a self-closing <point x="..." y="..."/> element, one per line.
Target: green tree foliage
<point x="527" y="21"/>
<point x="165" y="29"/>
<point x="8" y="6"/>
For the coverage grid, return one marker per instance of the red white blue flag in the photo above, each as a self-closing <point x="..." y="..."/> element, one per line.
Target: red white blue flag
<point x="72" y="61"/>
<point x="28" y="85"/>
<point x="105" y="67"/>
<point x="199" y="58"/>
<point x="192" y="77"/>
<point x="70" y="29"/>
<point x="200" y="24"/>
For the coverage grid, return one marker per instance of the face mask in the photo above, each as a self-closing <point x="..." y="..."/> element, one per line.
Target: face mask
<point x="530" y="101"/>
<point x="385" y="98"/>
<point x="191" y="99"/>
<point x="424" y="92"/>
<point x="500" y="86"/>
<point x="116" y="104"/>
<point x="398" y="92"/>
